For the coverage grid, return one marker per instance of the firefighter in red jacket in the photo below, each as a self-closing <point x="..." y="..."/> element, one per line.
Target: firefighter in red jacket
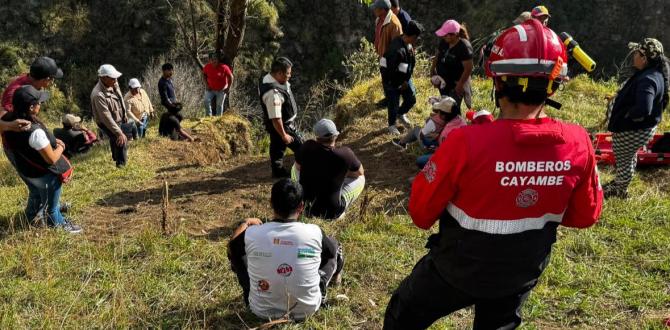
<point x="500" y="191"/>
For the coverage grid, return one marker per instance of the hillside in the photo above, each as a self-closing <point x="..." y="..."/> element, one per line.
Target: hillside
<point x="123" y="272"/>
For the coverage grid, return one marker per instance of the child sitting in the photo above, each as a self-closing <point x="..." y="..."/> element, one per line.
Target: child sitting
<point x="432" y="133"/>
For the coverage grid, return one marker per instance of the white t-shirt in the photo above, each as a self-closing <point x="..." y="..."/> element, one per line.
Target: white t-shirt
<point x="429" y="127"/>
<point x="38" y="139"/>
<point x="283" y="262"/>
<point x="273" y="100"/>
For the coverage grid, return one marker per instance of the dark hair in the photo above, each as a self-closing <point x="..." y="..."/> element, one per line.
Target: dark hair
<point x="463" y="33"/>
<point x="167" y="66"/>
<point x="535" y="94"/>
<point x="286" y="197"/>
<point x="414" y="28"/>
<point x="281" y="65"/>
<point x="395" y="3"/>
<point x="22" y="111"/>
<point x="662" y="64"/>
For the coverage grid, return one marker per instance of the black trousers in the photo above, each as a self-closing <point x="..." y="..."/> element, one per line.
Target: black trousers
<point x="424" y="297"/>
<point x="327" y="272"/>
<point x="119" y="154"/>
<point x="278" y="147"/>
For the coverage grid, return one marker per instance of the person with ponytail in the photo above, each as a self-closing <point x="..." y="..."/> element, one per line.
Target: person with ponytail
<point x="637" y="111"/>
<point x="38" y="160"/>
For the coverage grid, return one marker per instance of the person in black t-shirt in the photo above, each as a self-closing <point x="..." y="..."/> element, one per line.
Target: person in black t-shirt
<point x="453" y="62"/>
<point x="332" y="177"/>
<point x="170" y="125"/>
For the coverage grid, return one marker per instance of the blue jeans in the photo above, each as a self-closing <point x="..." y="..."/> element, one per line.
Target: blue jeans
<point x="421" y="161"/>
<point x="44" y="197"/>
<point x="220" y="98"/>
<point x="393" y="95"/>
<point x="142" y="126"/>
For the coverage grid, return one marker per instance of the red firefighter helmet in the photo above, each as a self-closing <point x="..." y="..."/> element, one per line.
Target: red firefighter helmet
<point x="529" y="49"/>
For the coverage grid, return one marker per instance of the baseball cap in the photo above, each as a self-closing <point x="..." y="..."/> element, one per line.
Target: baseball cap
<point x="134" y="83"/>
<point x="28" y="95"/>
<point x="540" y="11"/>
<point x="522" y="17"/>
<point x="108" y="70"/>
<point x="449" y="26"/>
<point x="446" y="104"/>
<point x="382" y="4"/>
<point x="325" y="128"/>
<point x="45" y="67"/>
<point x="650" y="47"/>
<point x="70" y="119"/>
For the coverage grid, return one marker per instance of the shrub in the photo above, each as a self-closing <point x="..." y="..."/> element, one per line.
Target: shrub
<point x="188" y="83"/>
<point x="361" y="64"/>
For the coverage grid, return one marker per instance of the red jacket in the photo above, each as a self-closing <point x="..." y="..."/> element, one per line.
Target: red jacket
<point x="505" y="187"/>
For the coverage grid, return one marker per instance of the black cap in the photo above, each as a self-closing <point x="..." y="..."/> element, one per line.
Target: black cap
<point x="45" y="67"/>
<point x="413" y="29"/>
<point x="26" y="96"/>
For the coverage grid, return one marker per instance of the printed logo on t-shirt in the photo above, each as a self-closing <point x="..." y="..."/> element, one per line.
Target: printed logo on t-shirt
<point x="263" y="285"/>
<point x="262" y="254"/>
<point x="527" y="198"/>
<point x="285" y="270"/>
<point x="305" y="253"/>
<point x="277" y="241"/>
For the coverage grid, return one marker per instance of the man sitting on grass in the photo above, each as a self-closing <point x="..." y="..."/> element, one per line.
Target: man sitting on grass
<point x="284" y="263"/>
<point x="332" y="177"/>
<point x="170" y="124"/>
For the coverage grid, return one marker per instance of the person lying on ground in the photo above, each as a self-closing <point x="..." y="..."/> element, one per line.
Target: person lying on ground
<point x="284" y="262"/>
<point x="170" y="124"/>
<point x="438" y="120"/>
<point x="77" y="138"/>
<point x="452" y="120"/>
<point x="333" y="177"/>
<point x="38" y="160"/>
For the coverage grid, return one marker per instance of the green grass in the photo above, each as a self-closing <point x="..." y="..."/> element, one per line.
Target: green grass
<point x="614" y="275"/>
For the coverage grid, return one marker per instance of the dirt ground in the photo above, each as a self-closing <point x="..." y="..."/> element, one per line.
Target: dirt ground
<point x="209" y="200"/>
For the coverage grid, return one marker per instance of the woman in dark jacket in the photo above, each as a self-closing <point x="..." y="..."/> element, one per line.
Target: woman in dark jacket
<point x="36" y="151"/>
<point x="637" y="111"/>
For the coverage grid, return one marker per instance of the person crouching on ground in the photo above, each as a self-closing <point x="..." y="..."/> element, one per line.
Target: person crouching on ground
<point x="500" y="191"/>
<point x="397" y="66"/>
<point x="332" y="177"/>
<point x="170" y="124"/>
<point x="284" y="263"/>
<point x="38" y="160"/>
<point x="77" y="138"/>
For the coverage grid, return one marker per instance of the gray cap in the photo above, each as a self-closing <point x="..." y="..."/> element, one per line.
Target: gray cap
<point x="325" y="128"/>
<point x="383" y="4"/>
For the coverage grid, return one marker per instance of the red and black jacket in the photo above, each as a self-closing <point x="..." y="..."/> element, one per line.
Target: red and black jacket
<point x="500" y="191"/>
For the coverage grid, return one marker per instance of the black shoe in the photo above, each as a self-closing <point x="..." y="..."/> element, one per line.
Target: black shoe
<point x="280" y="173"/>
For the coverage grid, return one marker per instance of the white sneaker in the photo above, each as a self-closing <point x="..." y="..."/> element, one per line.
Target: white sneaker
<point x="393" y="130"/>
<point x="405" y="121"/>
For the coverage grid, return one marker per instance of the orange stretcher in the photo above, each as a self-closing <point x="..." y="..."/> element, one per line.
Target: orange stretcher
<point x="656" y="152"/>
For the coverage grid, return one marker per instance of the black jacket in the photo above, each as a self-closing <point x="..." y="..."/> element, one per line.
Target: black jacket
<point x="288" y="109"/>
<point x="397" y="64"/>
<point x="639" y="103"/>
<point x="29" y="162"/>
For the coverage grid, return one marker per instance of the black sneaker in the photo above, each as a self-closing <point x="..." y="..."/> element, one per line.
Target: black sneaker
<point x="399" y="144"/>
<point x="70" y="227"/>
<point x="383" y="103"/>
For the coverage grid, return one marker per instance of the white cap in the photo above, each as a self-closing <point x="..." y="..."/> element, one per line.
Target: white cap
<point x="445" y="104"/>
<point x="134" y="83"/>
<point x="108" y="70"/>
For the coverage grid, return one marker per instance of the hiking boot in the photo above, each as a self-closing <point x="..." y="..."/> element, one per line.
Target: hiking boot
<point x="399" y="144"/>
<point x="280" y="173"/>
<point x="393" y="130"/>
<point x="70" y="227"/>
<point x="404" y="120"/>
